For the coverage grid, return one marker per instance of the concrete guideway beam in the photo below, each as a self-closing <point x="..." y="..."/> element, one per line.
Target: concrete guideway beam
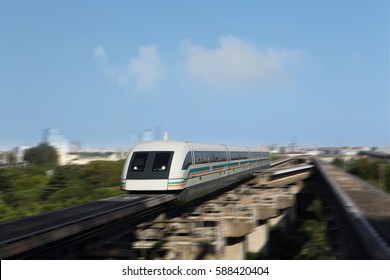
<point x="230" y="225"/>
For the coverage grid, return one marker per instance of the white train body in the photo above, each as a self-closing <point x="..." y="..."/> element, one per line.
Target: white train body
<point x="190" y="169"/>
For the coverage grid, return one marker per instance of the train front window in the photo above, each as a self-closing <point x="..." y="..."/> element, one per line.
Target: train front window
<point x="150" y="165"/>
<point x="187" y="161"/>
<point x="139" y="162"/>
<point x="161" y="162"/>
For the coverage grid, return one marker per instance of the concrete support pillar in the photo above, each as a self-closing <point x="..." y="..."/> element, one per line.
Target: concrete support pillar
<point x="286" y="217"/>
<point x="257" y="240"/>
<point x="279" y="221"/>
<point x="235" y="249"/>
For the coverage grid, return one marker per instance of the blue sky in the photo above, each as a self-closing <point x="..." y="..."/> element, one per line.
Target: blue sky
<point x="236" y="72"/>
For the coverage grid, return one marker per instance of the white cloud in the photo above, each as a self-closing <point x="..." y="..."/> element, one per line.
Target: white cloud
<point x="142" y="72"/>
<point x="239" y="63"/>
<point x="235" y="63"/>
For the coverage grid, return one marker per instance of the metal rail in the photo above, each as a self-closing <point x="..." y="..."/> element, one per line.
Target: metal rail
<point x="15" y="240"/>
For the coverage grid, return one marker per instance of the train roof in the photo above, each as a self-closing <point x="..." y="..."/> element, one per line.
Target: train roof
<point x="159" y="145"/>
<point x="175" y="145"/>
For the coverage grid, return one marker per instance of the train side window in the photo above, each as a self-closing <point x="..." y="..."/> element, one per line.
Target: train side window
<point x="203" y="157"/>
<point x="243" y="155"/>
<point x="139" y="161"/>
<point x="199" y="157"/>
<point x="187" y="161"/>
<point x="161" y="161"/>
<point x="235" y="155"/>
<point x="219" y="156"/>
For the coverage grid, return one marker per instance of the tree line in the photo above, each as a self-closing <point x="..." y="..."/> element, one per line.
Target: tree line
<point x="43" y="185"/>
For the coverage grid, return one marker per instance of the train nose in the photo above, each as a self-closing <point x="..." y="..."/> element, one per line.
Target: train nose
<point x="147" y="185"/>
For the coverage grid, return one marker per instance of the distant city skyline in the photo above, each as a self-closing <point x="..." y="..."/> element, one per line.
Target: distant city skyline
<point x="244" y="73"/>
<point x="54" y="138"/>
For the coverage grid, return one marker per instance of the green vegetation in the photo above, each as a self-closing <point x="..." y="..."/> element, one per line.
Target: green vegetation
<point x="42" y="155"/>
<point x="376" y="172"/>
<point x="276" y="157"/>
<point x="303" y="239"/>
<point x="30" y="190"/>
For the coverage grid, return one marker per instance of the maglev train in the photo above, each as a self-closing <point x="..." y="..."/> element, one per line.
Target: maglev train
<point x="190" y="169"/>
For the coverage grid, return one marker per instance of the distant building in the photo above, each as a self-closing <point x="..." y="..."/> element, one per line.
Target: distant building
<point x="75" y="146"/>
<point x="19" y="153"/>
<point x="87" y="157"/>
<point x="147" y="135"/>
<point x="3" y="158"/>
<point x="53" y="138"/>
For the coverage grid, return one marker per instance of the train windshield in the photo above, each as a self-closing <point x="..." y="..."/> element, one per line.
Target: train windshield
<point x="161" y="161"/>
<point x="139" y="162"/>
<point x="150" y="165"/>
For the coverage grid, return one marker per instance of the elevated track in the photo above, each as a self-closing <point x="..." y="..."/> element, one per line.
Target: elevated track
<point x="365" y="208"/>
<point x="31" y="236"/>
<point x="36" y="236"/>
